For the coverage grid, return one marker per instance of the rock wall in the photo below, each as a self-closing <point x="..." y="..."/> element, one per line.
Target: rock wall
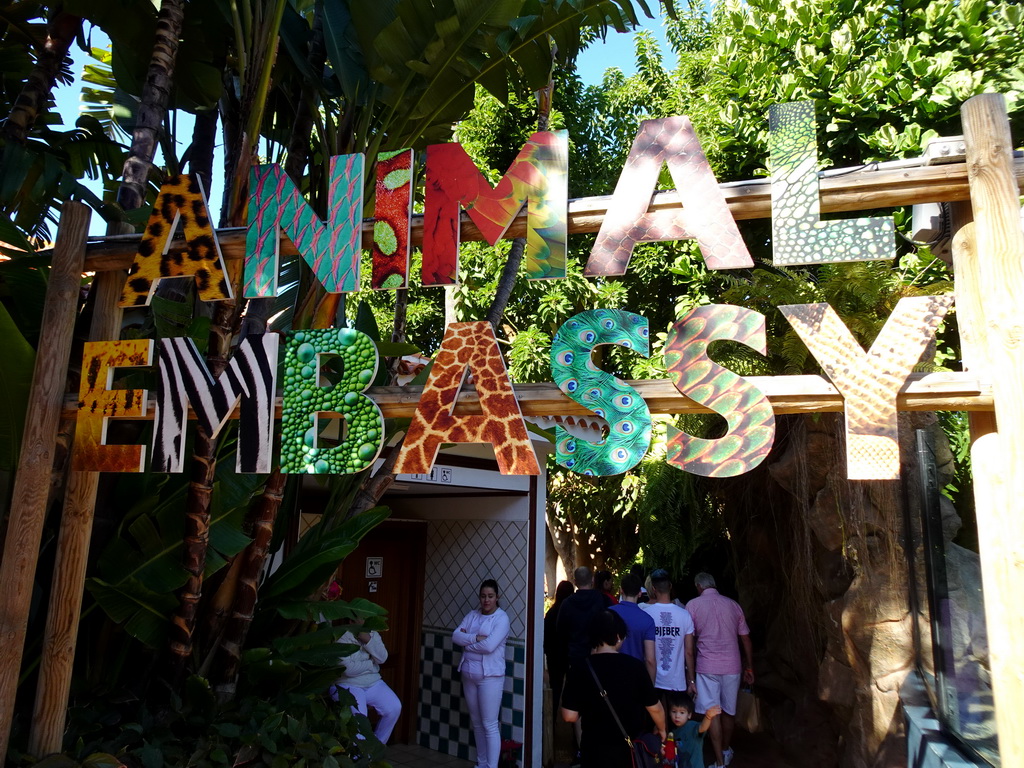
<point x="822" y="574"/>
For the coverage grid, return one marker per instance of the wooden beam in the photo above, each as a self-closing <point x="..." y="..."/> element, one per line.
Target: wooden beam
<point x="999" y="458"/>
<point x="847" y="190"/>
<point x="788" y="394"/>
<point x="32" y="481"/>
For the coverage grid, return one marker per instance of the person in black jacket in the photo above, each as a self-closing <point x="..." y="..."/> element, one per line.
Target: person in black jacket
<point x="576" y="613"/>
<point x="556" y="652"/>
<point x="629" y="690"/>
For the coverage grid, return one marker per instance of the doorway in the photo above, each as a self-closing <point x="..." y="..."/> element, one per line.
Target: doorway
<point x="387" y="568"/>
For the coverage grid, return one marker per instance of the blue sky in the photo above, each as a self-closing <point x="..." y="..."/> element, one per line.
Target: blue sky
<point x="615" y="51"/>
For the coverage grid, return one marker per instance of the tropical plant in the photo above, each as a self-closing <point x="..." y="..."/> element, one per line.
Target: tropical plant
<point x="887" y="76"/>
<point x="41" y="164"/>
<point x="16" y="377"/>
<point x="391" y="76"/>
<point x="676" y="515"/>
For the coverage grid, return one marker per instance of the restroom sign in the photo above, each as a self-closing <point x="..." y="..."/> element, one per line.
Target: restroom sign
<point x="374" y="567"/>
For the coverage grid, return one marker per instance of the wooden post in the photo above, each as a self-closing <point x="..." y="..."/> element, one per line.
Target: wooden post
<point x="32" y="482"/>
<point x="969" y="307"/>
<point x="999" y="458"/>
<point x="54" y="685"/>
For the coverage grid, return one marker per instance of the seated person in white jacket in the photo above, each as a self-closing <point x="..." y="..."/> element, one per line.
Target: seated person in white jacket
<point x="362" y="679"/>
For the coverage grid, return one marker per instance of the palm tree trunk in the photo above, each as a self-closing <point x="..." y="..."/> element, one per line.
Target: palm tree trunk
<point x="398" y="331"/>
<point x="255" y="91"/>
<point x="144" y="143"/>
<point x="204" y="138"/>
<point x="506" y="282"/>
<point x="197" y="508"/>
<point x="302" y="128"/>
<point x="61" y="30"/>
<point x="262" y="517"/>
<point x="225" y="323"/>
<point x="153" y="109"/>
<point x="263" y="514"/>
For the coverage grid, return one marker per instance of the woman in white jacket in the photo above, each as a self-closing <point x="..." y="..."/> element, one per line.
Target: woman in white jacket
<point x="482" y="634"/>
<point x="362" y="679"/>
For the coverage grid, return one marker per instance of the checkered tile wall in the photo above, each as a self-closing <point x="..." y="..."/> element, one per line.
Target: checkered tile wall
<point x="460" y="555"/>
<point x="443" y="718"/>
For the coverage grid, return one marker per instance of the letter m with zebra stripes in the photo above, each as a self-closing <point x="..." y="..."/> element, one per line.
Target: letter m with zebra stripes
<point x="251" y="376"/>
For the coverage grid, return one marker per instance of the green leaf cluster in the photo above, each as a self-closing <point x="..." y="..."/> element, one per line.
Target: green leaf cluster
<point x="141" y="568"/>
<point x="888" y="76"/>
<point x="275" y="729"/>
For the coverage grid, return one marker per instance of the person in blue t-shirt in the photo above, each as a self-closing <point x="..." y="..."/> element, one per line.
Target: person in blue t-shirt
<point x="639" y="642"/>
<point x="688" y="735"/>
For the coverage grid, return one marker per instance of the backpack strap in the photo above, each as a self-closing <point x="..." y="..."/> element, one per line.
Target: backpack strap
<point x="604" y="695"/>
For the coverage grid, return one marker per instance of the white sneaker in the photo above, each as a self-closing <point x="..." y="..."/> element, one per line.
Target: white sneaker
<point x="727" y="757"/>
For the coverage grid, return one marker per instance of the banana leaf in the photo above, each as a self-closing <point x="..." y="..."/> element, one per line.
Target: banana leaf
<point x="316" y="556"/>
<point x="16" y="382"/>
<point x="360" y="611"/>
<point x="141" y="568"/>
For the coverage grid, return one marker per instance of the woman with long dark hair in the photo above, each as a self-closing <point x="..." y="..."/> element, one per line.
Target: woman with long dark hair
<point x="604" y="582"/>
<point x="482" y="634"/>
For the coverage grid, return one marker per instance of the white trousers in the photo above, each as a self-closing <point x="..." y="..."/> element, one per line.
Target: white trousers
<point x="483" y="696"/>
<point x="383" y="700"/>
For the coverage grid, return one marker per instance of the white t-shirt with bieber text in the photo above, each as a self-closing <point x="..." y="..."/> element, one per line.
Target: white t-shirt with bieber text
<point x="671" y="626"/>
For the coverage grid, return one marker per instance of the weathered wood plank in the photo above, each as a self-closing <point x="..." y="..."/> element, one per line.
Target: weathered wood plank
<point x="855" y="191"/>
<point x="998" y="458"/>
<point x="61" y="636"/>
<point x="32" y="481"/>
<point x="787" y="394"/>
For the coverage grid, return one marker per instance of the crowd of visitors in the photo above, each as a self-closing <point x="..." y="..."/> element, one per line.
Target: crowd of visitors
<point x="635" y="666"/>
<point x="655" y="667"/>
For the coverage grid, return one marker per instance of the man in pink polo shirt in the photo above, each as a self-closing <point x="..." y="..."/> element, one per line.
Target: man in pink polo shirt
<point x="721" y="631"/>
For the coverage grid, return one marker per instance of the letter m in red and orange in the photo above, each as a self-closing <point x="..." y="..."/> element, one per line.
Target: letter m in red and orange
<point x="538" y="177"/>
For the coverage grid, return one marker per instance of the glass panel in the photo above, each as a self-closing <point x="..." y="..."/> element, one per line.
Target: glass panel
<point x="953" y="637"/>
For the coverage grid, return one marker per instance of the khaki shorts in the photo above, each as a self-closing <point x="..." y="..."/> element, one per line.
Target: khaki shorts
<point x="717" y="689"/>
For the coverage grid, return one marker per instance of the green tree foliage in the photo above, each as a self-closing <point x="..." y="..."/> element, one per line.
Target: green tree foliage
<point x="388" y="76"/>
<point x="593" y="520"/>
<point x="879" y="96"/>
<point x="885" y="76"/>
<point x="669" y="538"/>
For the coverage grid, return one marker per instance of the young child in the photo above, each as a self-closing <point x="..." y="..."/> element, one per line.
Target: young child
<point x="688" y="735"/>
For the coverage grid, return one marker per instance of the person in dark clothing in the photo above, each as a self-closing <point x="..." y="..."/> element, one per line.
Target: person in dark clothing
<point x="604" y="583"/>
<point x="556" y="652"/>
<point x="637" y="570"/>
<point x="629" y="689"/>
<point x="576" y="613"/>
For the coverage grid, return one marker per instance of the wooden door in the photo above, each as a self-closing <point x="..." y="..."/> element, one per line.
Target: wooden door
<point x="388" y="569"/>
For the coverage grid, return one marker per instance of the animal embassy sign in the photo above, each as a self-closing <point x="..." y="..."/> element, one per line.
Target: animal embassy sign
<point x="869" y="380"/>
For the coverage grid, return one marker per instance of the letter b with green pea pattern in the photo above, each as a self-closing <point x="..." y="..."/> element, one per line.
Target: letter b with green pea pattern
<point x="307" y="398"/>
